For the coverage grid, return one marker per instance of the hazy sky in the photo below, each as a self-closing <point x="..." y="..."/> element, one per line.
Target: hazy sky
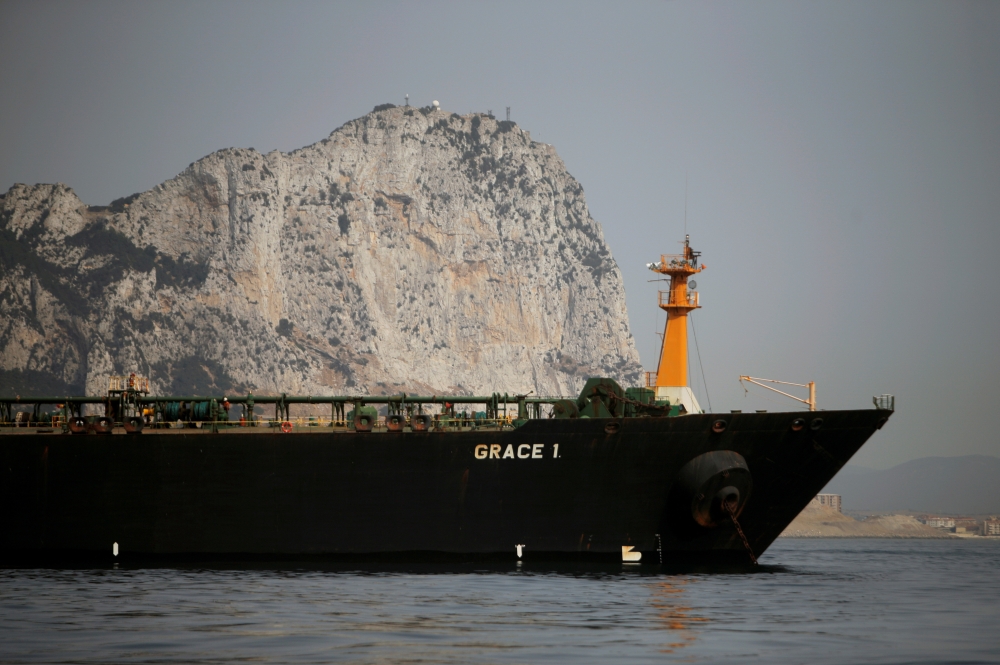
<point x="843" y="158"/>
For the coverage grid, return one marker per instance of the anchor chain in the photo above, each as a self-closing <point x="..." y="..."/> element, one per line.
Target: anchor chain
<point x="746" y="543"/>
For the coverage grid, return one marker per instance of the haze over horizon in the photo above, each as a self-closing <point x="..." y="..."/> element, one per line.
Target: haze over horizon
<point x="842" y="159"/>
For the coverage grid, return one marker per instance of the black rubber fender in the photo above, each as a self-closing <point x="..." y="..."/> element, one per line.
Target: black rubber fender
<point x="707" y="483"/>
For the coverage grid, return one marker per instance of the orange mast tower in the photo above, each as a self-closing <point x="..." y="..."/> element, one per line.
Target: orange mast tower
<point x="671" y="378"/>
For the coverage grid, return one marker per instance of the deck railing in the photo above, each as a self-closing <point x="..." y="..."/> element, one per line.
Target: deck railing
<point x="262" y="424"/>
<point x="121" y="383"/>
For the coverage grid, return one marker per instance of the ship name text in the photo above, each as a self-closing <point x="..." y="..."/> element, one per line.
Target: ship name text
<point x="522" y="451"/>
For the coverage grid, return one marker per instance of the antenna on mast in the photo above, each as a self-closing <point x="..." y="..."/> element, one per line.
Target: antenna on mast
<point x="685" y="202"/>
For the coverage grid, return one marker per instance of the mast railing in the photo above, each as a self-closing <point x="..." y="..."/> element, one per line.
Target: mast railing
<point x="667" y="298"/>
<point x="674" y="262"/>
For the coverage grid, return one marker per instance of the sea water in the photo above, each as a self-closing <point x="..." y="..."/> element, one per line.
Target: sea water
<point x="809" y="601"/>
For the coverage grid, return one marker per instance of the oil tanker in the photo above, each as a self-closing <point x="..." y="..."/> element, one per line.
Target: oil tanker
<point x="640" y="475"/>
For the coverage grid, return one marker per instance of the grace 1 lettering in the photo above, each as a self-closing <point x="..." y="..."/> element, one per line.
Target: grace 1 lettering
<point x="522" y="451"/>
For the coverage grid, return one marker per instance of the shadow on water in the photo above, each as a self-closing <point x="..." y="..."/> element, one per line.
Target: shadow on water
<point x="593" y="569"/>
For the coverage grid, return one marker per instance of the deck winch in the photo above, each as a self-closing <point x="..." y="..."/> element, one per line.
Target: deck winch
<point x="603" y="398"/>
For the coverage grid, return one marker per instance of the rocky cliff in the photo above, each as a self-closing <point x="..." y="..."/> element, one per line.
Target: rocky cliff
<point x="412" y="249"/>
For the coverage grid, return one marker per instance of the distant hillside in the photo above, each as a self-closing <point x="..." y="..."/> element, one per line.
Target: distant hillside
<point x="961" y="485"/>
<point x="817" y="521"/>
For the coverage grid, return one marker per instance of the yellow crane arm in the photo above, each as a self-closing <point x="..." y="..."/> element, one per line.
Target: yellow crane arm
<point x="811" y="386"/>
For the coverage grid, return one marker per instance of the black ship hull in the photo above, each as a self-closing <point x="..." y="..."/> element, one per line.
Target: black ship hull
<point x="560" y="488"/>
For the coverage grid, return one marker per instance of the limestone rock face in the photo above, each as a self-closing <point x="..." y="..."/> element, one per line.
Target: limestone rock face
<point x="412" y="249"/>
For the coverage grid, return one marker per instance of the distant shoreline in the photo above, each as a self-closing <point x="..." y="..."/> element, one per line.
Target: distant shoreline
<point x="886" y="536"/>
<point x="819" y="521"/>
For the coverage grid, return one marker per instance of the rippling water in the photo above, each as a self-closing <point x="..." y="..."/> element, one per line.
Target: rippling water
<point x="811" y="601"/>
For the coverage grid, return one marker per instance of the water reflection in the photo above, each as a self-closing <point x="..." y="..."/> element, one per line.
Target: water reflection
<point x="673" y="613"/>
<point x="822" y="601"/>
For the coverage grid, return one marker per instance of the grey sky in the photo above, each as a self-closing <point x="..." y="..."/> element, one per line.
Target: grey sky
<point x="843" y="158"/>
